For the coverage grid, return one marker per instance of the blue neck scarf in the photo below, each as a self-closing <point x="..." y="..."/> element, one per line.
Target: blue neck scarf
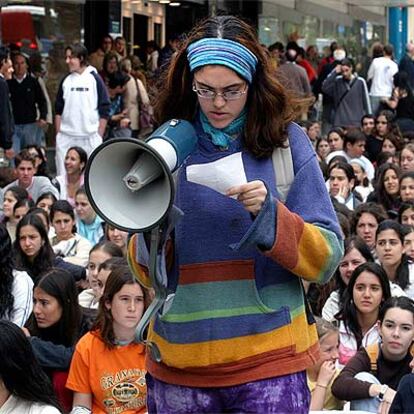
<point x="223" y="137"/>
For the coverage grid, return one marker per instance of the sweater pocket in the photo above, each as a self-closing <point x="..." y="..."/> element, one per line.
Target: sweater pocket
<point x="217" y="317"/>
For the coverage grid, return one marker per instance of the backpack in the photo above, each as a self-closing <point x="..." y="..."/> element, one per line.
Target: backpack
<point x="373" y="354"/>
<point x="284" y="173"/>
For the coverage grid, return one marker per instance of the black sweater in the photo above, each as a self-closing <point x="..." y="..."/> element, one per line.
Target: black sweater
<point x="6" y="116"/>
<point x="26" y="97"/>
<point x="348" y="388"/>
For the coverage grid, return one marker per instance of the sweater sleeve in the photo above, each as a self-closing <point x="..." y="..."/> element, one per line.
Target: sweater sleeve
<point x="348" y="388"/>
<point x="306" y="239"/>
<point x="403" y="400"/>
<point x="328" y="86"/>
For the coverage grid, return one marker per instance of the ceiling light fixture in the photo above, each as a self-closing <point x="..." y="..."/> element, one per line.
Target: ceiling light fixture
<point x="175" y="4"/>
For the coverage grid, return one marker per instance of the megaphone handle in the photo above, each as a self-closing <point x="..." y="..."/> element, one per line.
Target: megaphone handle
<point x="159" y="297"/>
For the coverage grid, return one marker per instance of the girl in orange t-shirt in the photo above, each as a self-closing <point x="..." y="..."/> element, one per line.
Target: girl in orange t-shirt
<point x="107" y="373"/>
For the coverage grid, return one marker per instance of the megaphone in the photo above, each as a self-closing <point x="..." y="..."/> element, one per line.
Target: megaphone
<point x="129" y="182"/>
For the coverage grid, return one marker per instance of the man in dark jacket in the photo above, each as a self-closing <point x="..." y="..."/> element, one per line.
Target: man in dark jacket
<point x="407" y="64"/>
<point x="27" y="100"/>
<point x="6" y="115"/>
<point x="349" y="93"/>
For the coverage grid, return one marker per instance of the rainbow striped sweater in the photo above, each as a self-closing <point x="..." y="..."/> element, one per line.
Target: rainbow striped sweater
<point x="238" y="312"/>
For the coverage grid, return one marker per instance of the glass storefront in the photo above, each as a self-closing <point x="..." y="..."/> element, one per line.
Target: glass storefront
<point x="278" y="23"/>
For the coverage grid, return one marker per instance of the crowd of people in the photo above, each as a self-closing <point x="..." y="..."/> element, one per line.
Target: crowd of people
<point x="275" y="304"/>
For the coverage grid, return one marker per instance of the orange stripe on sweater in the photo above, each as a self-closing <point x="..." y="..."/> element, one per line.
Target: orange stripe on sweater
<point x="289" y="231"/>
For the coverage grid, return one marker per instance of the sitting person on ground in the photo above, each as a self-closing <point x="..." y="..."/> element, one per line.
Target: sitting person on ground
<point x="12" y="196"/>
<point x="33" y="252"/>
<point x="367" y="289"/>
<point x="24" y="387"/>
<point x="356" y="253"/>
<point x="68" y="183"/>
<point x="88" y="223"/>
<point x="55" y="326"/>
<point x="110" y="350"/>
<point x="89" y="298"/>
<point x="16" y="286"/>
<point x="391" y="255"/>
<point x="67" y="244"/>
<point x="322" y="374"/>
<point x="370" y="378"/>
<point x="119" y="237"/>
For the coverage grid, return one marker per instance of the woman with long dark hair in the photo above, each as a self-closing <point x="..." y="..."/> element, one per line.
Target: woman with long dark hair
<point x="33" y="251"/>
<point x="391" y="254"/>
<point x="68" y="244"/>
<point x="387" y="188"/>
<point x="12" y="196"/>
<point x="111" y="348"/>
<point x="24" y="387"/>
<point x="55" y="326"/>
<point x="16" y="286"/>
<point x="367" y="290"/>
<point x="68" y="183"/>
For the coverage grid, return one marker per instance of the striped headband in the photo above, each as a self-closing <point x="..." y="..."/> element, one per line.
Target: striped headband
<point x="216" y="51"/>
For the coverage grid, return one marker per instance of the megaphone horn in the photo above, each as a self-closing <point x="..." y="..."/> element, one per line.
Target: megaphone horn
<point x="129" y="182"/>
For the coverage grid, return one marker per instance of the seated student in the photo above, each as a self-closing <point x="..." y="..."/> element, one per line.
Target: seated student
<point x="356" y="252"/>
<point x="12" y="196"/>
<point x="119" y="237"/>
<point x="341" y="185"/>
<point x="387" y="189"/>
<point x="367" y="289"/>
<point x="391" y="254"/>
<point x="362" y="185"/>
<point x="55" y="326"/>
<point x="16" y="286"/>
<point x="44" y="216"/>
<point x="105" y="270"/>
<point x="322" y="374"/>
<point x="33" y="252"/>
<point x="88" y="223"/>
<point x="21" y="208"/>
<point x="406" y="213"/>
<point x="370" y="378"/>
<point x="68" y="183"/>
<point x="67" y="244"/>
<point x="409" y="242"/>
<point x="89" y="298"/>
<point x="25" y="169"/>
<point x="24" y="387"/>
<point x="108" y="368"/>
<point x="407" y="186"/>
<point x="354" y="147"/>
<point x="45" y="201"/>
<point x="365" y="222"/>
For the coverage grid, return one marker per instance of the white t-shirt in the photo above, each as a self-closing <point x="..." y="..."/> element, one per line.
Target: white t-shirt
<point x="381" y="72"/>
<point x="16" y="405"/>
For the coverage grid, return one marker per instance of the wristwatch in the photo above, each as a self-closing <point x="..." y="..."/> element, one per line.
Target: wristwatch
<point x="383" y="390"/>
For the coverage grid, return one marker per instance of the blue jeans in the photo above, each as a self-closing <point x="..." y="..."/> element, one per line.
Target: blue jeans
<point x="26" y="134"/>
<point x="371" y="404"/>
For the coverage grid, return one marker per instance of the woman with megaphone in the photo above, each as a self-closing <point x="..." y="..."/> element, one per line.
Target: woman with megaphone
<point x="235" y="333"/>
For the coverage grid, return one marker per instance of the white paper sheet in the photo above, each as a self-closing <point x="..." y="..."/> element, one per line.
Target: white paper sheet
<point x="219" y="175"/>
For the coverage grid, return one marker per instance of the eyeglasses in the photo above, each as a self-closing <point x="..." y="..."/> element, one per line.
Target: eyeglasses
<point x="227" y="95"/>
